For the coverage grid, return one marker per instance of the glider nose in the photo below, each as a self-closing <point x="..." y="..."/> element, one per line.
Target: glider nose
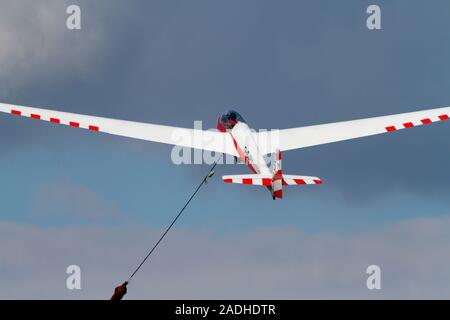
<point x="219" y="125"/>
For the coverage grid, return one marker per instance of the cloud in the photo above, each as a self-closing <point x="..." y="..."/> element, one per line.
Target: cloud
<point x="37" y="46"/>
<point x="68" y="200"/>
<point x="275" y="262"/>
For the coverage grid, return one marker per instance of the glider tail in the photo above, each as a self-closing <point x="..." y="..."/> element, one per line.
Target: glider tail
<point x="275" y="181"/>
<point x="277" y="178"/>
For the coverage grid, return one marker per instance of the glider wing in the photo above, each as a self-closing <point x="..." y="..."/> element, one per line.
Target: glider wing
<point x="302" y="137"/>
<point x="192" y="138"/>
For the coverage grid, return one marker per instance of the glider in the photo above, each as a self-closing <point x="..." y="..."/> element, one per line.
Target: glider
<point x="234" y="137"/>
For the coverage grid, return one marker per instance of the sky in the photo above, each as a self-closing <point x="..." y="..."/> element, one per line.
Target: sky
<point x="99" y="201"/>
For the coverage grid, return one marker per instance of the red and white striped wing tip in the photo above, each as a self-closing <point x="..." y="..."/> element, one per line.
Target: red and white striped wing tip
<point x="422" y="121"/>
<point x="54" y="119"/>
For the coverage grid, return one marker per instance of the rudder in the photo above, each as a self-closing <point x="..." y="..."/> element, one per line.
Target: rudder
<point x="277" y="178"/>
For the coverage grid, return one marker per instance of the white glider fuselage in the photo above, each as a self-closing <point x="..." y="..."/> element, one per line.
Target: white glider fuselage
<point x="247" y="148"/>
<point x="249" y="153"/>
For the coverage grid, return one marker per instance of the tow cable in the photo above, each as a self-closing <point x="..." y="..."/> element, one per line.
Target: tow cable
<point x="120" y="291"/>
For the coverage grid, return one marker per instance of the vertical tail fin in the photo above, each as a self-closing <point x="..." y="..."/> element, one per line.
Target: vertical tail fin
<point x="277" y="178"/>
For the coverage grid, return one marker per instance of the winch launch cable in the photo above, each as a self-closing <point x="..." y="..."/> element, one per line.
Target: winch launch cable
<point x="210" y="173"/>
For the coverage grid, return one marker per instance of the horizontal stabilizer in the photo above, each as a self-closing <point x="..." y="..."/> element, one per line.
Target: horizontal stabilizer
<point x="290" y="180"/>
<point x="266" y="179"/>
<point x="254" y="179"/>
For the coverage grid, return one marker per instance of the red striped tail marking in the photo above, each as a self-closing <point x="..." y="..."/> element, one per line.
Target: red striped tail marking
<point x="277" y="179"/>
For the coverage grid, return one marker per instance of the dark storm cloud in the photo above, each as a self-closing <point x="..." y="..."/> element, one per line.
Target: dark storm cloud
<point x="283" y="65"/>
